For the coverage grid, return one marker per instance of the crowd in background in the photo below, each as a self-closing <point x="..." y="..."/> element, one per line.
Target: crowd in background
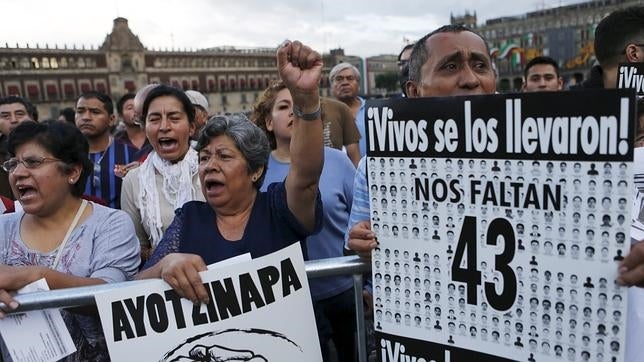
<point x="153" y="187"/>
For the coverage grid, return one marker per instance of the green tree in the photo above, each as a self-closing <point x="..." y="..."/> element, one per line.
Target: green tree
<point x="388" y="81"/>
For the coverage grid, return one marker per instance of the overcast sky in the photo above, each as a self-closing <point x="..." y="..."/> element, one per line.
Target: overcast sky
<point x="363" y="28"/>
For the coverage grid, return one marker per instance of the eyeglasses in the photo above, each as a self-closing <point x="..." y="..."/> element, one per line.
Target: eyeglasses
<point x="31" y="163"/>
<point x="348" y="78"/>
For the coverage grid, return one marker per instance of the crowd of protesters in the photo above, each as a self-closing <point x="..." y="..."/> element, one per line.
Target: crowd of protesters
<point x="155" y="188"/>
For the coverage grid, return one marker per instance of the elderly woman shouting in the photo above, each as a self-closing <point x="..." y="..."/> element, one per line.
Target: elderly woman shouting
<point x="237" y="218"/>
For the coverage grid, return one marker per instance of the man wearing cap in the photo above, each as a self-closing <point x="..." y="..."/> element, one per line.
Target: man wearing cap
<point x="201" y="109"/>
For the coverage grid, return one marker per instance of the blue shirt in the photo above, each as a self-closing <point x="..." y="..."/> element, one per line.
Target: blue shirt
<point x="336" y="189"/>
<point x="271" y="227"/>
<point x="362" y="144"/>
<point x="360" y="210"/>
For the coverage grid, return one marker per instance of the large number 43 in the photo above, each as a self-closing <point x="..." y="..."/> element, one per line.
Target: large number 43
<point x="471" y="276"/>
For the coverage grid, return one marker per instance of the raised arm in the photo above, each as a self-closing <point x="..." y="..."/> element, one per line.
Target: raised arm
<point x="300" y="68"/>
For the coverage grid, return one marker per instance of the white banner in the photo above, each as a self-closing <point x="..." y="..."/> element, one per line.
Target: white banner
<point x="259" y="310"/>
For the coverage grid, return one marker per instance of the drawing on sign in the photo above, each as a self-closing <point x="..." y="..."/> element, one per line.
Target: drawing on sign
<point x="235" y="345"/>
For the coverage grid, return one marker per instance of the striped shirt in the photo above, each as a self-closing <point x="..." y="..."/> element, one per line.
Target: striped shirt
<point x="102" y="182"/>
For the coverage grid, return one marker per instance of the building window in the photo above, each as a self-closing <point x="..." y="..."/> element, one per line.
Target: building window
<point x="53" y="63"/>
<point x="242" y="84"/>
<point x="222" y="85"/>
<point x="130" y="86"/>
<point x="195" y="84"/>
<point x="232" y="84"/>
<point x="184" y="85"/>
<point x="13" y="90"/>
<point x="100" y="86"/>
<point x="85" y="87"/>
<point x="34" y="63"/>
<point x="45" y="62"/>
<point x="68" y="89"/>
<point x="63" y="62"/>
<point x="211" y="85"/>
<point x="52" y="91"/>
<point x="253" y="84"/>
<point x="33" y="92"/>
<point x="126" y="63"/>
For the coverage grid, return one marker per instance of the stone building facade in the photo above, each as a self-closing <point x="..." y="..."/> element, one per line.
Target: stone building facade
<point x="231" y="78"/>
<point x="565" y="33"/>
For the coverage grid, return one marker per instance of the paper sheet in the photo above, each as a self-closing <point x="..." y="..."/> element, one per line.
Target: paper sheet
<point x="38" y="336"/>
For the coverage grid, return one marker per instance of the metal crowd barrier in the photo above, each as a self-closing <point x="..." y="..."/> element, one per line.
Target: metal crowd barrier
<point x="84" y="296"/>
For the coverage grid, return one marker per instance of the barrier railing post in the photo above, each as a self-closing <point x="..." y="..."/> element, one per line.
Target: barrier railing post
<point x="360" y="325"/>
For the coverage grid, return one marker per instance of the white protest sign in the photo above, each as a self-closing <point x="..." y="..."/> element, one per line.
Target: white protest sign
<point x="230" y="261"/>
<point x="501" y="221"/>
<point x="36" y="336"/>
<point x="259" y="310"/>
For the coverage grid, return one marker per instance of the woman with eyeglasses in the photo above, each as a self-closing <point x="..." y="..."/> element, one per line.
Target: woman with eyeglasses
<point x="168" y="178"/>
<point x="57" y="235"/>
<point x="237" y="217"/>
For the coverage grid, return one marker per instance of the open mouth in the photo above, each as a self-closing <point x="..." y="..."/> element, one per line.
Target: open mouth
<point x="166" y="143"/>
<point x="213" y="186"/>
<point x="25" y="191"/>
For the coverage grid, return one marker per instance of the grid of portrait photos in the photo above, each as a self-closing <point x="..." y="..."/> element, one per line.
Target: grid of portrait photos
<point x="569" y="221"/>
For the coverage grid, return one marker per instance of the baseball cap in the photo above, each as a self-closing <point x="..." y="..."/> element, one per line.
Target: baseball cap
<point x="197" y="99"/>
